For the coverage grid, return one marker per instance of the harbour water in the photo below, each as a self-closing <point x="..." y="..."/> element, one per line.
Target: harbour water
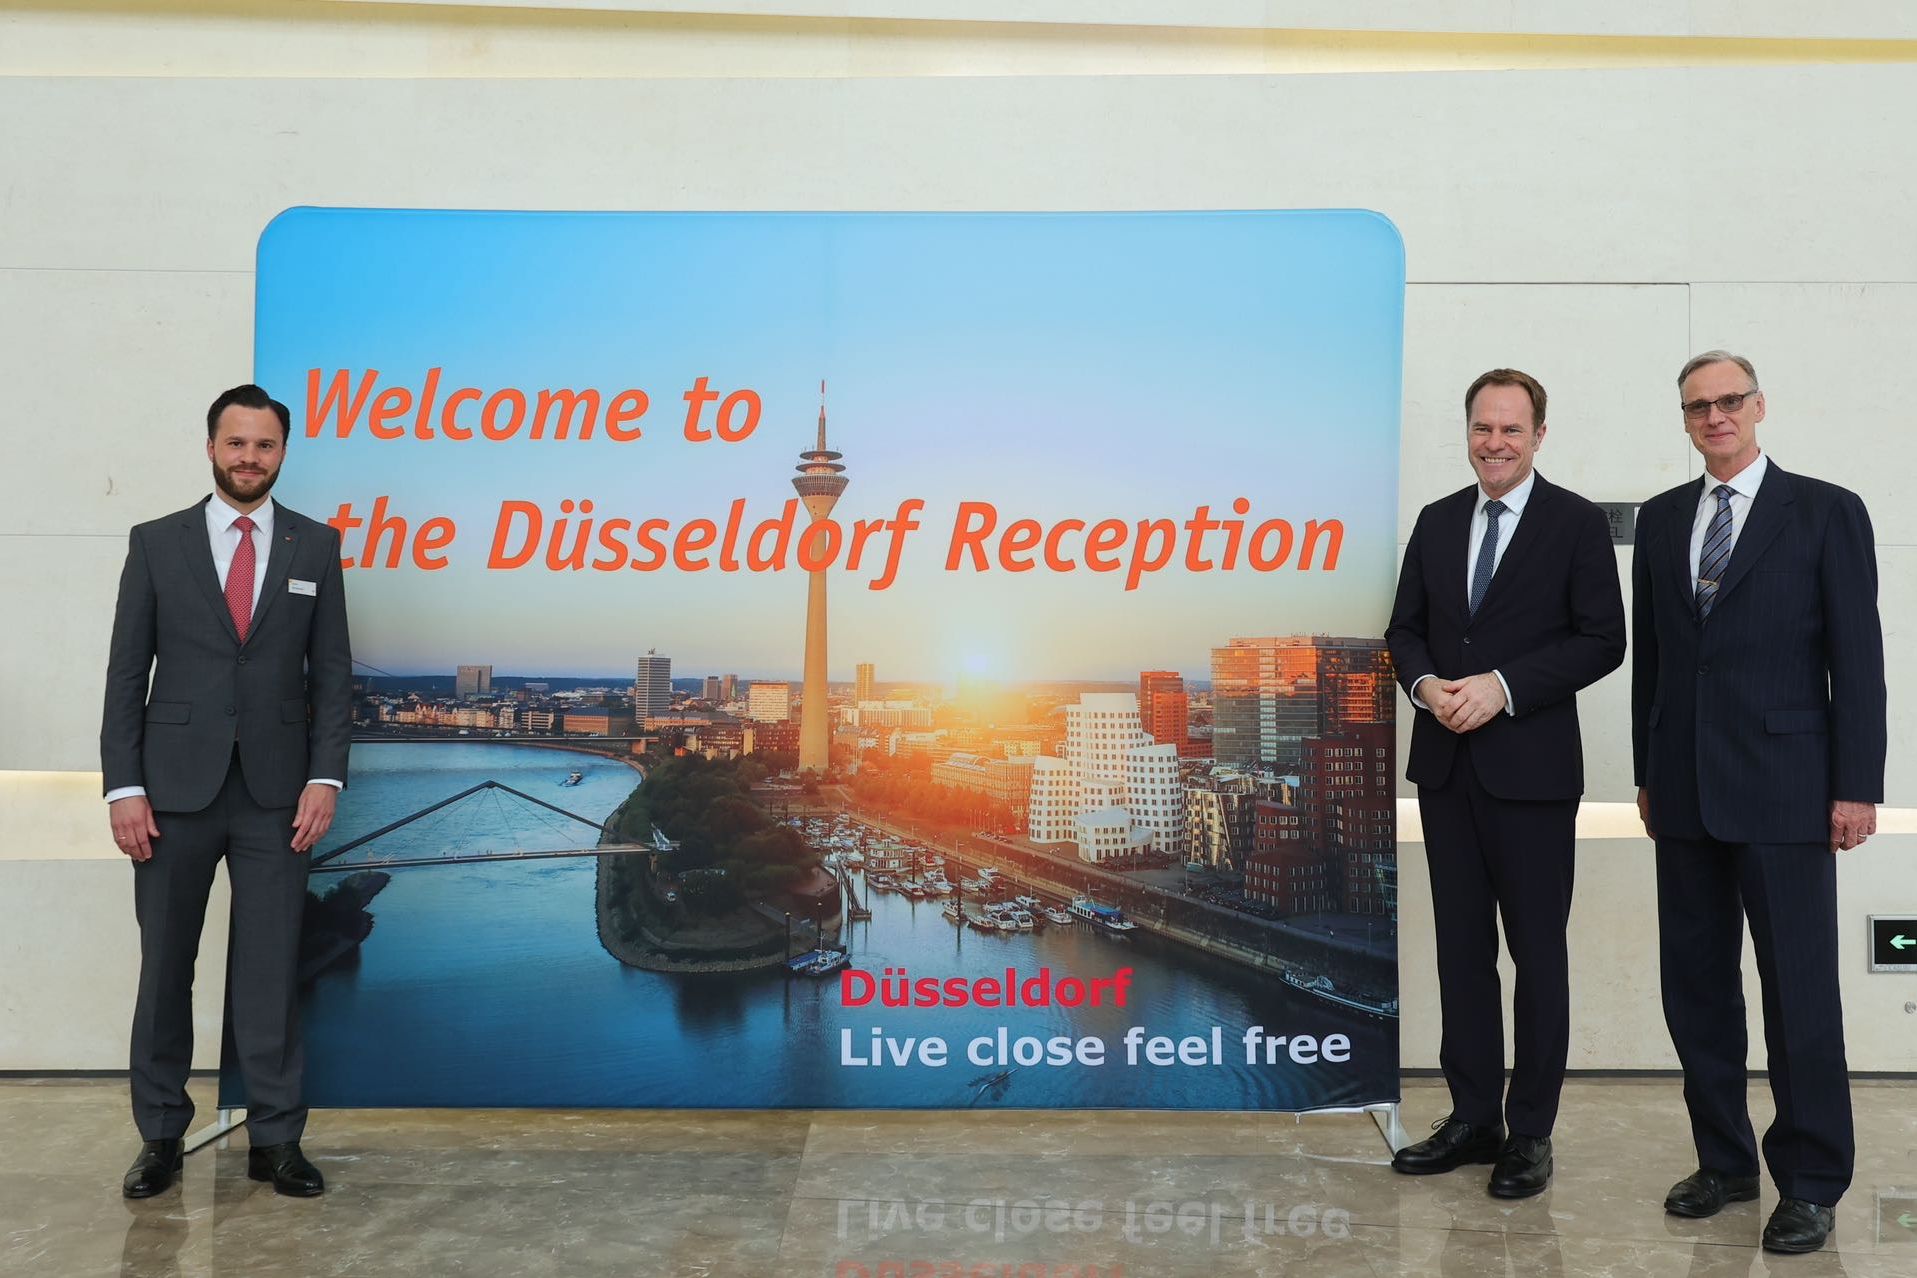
<point x="486" y="984"/>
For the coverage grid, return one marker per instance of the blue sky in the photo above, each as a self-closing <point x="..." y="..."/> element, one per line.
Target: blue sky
<point x="1056" y="365"/>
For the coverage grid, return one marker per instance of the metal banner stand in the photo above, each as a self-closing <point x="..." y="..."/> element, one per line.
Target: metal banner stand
<point x="1388" y="1118"/>
<point x="1385" y="1114"/>
<point x="219" y="1131"/>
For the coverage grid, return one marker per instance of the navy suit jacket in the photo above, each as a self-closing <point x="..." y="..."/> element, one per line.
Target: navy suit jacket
<point x="182" y="690"/>
<point x="1551" y="623"/>
<point x="1745" y="726"/>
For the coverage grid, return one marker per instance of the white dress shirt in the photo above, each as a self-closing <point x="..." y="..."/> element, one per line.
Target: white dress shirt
<point x="225" y="541"/>
<point x="1514" y="503"/>
<point x="1744" y="485"/>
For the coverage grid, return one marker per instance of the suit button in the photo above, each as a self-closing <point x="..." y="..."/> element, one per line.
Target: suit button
<point x="1467" y="641"/>
<point x="242" y="660"/>
<point x="1703" y="669"/>
<point x="229" y="709"/>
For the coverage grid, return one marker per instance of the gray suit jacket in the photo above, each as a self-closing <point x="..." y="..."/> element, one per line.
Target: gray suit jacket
<point x="182" y="690"/>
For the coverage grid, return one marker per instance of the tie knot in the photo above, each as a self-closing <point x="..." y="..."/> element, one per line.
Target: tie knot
<point x="1723" y="492"/>
<point x="1494" y="508"/>
<point x="245" y="523"/>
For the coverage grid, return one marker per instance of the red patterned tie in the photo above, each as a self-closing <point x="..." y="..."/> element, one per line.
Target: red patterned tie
<point x="239" y="579"/>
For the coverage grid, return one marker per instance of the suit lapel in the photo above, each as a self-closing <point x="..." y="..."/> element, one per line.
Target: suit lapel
<point x="1455" y="536"/>
<point x="279" y="558"/>
<point x="197" y="549"/>
<point x="1677" y="547"/>
<point x="1770" y="510"/>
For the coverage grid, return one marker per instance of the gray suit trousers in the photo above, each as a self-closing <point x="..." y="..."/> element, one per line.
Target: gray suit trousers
<point x="269" y="899"/>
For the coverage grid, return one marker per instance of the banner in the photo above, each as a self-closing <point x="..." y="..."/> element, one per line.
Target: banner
<point x="857" y="660"/>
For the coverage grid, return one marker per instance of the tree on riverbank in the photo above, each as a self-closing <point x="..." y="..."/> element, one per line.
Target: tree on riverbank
<point x="706" y="807"/>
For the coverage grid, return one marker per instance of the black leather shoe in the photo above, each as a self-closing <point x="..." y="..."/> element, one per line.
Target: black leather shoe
<point x="1523" y="1167"/>
<point x="1456" y="1144"/>
<point x="1797" y="1226"/>
<point x="153" y="1171"/>
<point x="1705" y="1191"/>
<point x="287" y="1168"/>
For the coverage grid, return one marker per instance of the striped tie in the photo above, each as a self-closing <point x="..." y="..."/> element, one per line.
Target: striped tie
<point x="1716" y="555"/>
<point x="1487" y="554"/>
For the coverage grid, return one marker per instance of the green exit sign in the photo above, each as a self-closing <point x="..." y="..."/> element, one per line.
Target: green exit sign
<point x="1893" y="943"/>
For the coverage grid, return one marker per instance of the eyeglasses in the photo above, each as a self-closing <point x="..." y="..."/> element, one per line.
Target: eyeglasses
<point x="1700" y="408"/>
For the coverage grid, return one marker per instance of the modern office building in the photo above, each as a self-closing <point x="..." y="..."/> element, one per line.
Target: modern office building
<point x="652" y="686"/>
<point x="1270" y="693"/>
<point x="769" y="702"/>
<point x="1164" y="707"/>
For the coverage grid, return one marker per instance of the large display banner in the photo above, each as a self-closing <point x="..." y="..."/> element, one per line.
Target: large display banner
<point x="852" y="659"/>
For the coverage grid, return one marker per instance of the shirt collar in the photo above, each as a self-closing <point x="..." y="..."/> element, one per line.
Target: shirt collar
<point x="220" y="517"/>
<point x="1513" y="500"/>
<point x="1745" y="482"/>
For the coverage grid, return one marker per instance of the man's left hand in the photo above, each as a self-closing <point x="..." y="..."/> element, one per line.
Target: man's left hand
<point x="1475" y="701"/>
<point x="314" y="816"/>
<point x="1850" y="824"/>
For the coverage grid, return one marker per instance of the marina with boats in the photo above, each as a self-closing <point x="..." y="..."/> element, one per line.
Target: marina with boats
<point x="870" y="861"/>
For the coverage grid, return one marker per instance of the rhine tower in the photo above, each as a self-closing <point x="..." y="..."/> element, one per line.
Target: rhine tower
<point x="819" y="482"/>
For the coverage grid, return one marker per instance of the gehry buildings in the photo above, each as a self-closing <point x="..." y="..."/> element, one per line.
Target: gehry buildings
<point x="1114" y="791"/>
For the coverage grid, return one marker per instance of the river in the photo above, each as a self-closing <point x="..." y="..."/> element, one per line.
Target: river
<point x="486" y="985"/>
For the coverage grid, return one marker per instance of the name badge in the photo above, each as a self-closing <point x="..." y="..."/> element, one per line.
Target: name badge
<point x="297" y="587"/>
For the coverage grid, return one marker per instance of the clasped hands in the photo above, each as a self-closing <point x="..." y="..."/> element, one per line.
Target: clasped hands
<point x="1463" y="705"/>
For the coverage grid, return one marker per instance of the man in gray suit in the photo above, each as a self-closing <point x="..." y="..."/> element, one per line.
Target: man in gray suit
<point x="225" y="733"/>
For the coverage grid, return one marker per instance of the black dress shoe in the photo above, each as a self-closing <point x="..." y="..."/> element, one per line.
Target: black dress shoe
<point x="287" y="1168"/>
<point x="1456" y="1144"/>
<point x="1523" y="1167"/>
<point x="1705" y="1191"/>
<point x="153" y="1171"/>
<point x="1797" y="1226"/>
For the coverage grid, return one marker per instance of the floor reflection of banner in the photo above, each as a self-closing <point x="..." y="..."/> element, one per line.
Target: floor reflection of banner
<point x="961" y="630"/>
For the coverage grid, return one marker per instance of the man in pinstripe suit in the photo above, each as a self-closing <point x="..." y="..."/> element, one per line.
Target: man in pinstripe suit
<point x="1758" y="734"/>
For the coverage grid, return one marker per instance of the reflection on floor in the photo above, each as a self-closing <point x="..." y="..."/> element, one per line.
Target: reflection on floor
<point x="905" y="1195"/>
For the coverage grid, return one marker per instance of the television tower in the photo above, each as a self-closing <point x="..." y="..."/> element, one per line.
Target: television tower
<point x="819" y="482"/>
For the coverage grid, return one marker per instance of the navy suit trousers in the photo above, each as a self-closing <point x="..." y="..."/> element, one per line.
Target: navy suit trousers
<point x="1513" y="859"/>
<point x="1705" y="890"/>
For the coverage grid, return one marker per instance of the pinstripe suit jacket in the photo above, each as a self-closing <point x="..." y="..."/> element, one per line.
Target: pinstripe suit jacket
<point x="1745" y="726"/>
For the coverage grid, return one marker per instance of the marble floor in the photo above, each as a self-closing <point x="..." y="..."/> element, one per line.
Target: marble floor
<point x="999" y="1194"/>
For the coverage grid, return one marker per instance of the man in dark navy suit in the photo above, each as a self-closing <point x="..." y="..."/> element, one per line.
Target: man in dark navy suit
<point x="1508" y="604"/>
<point x="1758" y="731"/>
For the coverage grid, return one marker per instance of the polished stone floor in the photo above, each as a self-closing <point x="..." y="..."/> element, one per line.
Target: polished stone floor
<point x="904" y="1195"/>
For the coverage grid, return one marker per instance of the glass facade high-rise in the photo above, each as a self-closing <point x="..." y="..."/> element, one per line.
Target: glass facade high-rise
<point x="863" y="682"/>
<point x="1269" y="694"/>
<point x="652" y="686"/>
<point x="472" y="681"/>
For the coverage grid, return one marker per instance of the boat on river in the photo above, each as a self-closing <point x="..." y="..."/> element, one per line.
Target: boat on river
<point x="1107" y="918"/>
<point x="1323" y="987"/>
